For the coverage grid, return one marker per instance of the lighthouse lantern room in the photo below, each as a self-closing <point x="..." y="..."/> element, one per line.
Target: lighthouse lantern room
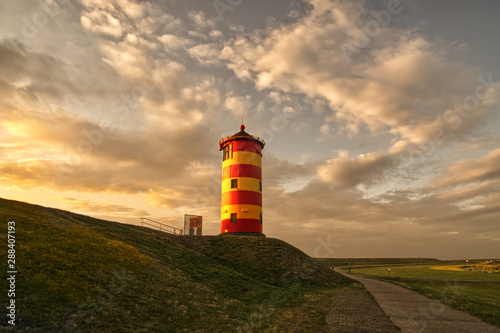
<point x="241" y="207"/>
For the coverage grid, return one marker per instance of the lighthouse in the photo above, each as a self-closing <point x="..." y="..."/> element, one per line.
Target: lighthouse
<point x="241" y="206"/>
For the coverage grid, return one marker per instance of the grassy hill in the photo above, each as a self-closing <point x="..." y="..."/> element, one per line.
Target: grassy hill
<point x="80" y="274"/>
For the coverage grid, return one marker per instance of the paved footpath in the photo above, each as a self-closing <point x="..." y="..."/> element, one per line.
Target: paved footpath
<point x="412" y="312"/>
<point x="355" y="311"/>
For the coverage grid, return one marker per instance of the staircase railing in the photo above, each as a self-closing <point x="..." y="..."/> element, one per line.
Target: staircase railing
<point x="161" y="226"/>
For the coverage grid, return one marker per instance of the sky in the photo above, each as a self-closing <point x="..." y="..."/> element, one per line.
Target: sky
<point x="381" y="118"/>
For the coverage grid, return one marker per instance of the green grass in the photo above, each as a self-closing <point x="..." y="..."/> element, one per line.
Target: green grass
<point x="77" y="273"/>
<point x="480" y="299"/>
<point x="302" y="314"/>
<point x="441" y="272"/>
<point x="340" y="262"/>
<point x="446" y="284"/>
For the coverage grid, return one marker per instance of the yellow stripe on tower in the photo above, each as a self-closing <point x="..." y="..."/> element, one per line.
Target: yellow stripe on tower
<point x="244" y="184"/>
<point x="244" y="211"/>
<point x="244" y="157"/>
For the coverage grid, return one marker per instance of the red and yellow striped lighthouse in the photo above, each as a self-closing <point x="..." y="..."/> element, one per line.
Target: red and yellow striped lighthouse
<point x="241" y="184"/>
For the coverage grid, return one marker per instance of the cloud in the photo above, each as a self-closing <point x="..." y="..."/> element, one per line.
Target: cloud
<point x="200" y="21"/>
<point x="389" y="87"/>
<point x="135" y="145"/>
<point x="174" y="43"/>
<point x="344" y="171"/>
<point x="396" y="221"/>
<point x="112" y="18"/>
<point x="127" y="57"/>
<point x="205" y="53"/>
<point x="238" y="105"/>
<point x="103" y="208"/>
<point x="133" y="9"/>
<point x="37" y="82"/>
<point x="102" y="22"/>
<point x="467" y="172"/>
<point x="32" y="74"/>
<point x="477" y="144"/>
<point x="82" y="155"/>
<point x="278" y="171"/>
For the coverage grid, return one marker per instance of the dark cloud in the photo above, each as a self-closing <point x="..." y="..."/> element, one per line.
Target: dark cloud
<point x="33" y="75"/>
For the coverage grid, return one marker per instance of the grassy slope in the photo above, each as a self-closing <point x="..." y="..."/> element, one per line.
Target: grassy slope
<point x="77" y="273"/>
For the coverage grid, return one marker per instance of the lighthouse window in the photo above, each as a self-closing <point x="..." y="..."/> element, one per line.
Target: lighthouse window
<point x="228" y="151"/>
<point x="234" y="217"/>
<point x="260" y="218"/>
<point x="260" y="186"/>
<point x="234" y="183"/>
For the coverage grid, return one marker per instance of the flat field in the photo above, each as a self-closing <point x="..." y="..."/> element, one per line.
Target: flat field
<point x="339" y="262"/>
<point x="440" y="272"/>
<point x="474" y="292"/>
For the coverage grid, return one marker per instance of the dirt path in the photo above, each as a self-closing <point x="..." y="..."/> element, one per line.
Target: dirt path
<point x="412" y="312"/>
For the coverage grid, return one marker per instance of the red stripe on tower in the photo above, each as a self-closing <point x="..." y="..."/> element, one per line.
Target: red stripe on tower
<point x="242" y="170"/>
<point x="249" y="225"/>
<point x="246" y="145"/>
<point x="242" y="198"/>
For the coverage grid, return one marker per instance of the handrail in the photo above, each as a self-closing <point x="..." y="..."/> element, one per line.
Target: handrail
<point x="166" y="228"/>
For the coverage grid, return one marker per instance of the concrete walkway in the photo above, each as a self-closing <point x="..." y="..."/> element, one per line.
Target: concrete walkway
<point x="412" y="312"/>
